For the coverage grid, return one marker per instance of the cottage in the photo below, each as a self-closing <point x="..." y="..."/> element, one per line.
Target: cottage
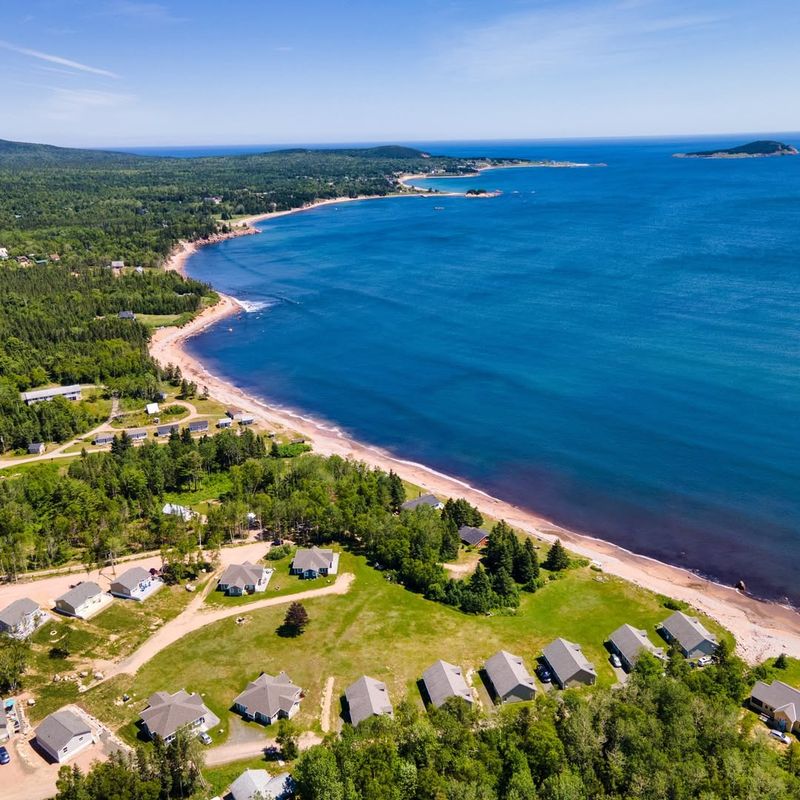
<point x="443" y="681"/>
<point x="166" y="713"/>
<point x="175" y="510"/>
<point x="689" y="634"/>
<point x="510" y="679"/>
<point x="137" y="434"/>
<point x="136" y="583"/>
<point x="224" y="423"/>
<point x="423" y="500"/>
<point x="313" y="562"/>
<point x="21" y="618"/>
<point x="472" y="537"/>
<point x="72" y="392"/>
<point x="233" y="411"/>
<point x="117" y="264"/>
<point x="367" y="698"/>
<point x="246" y="578"/>
<point x="63" y="734"/>
<point x="269" y="698"/>
<point x="151" y="409"/>
<point x="126" y="315"/>
<point x="103" y="438"/>
<point x="779" y="701"/>
<point x="629" y="642"/>
<point x="568" y="664"/>
<point x="3" y="254"/>
<point x="252" y="783"/>
<point x="198" y="426"/>
<point x="84" y="601"/>
<point x="245" y="419"/>
<point x="167" y="430"/>
<point x="36" y="448"/>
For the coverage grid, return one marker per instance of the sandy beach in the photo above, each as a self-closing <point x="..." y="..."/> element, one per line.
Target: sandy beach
<point x="761" y="629"/>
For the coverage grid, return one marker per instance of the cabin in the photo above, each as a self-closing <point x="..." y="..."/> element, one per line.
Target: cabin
<point x="198" y="426"/>
<point x="269" y="698"/>
<point x="689" y="634"/>
<point x="509" y="677"/>
<point x="568" y="665"/>
<point x="117" y="264"/>
<point x="137" y="434"/>
<point x="21" y="618"/>
<point x="126" y="315"/>
<point x="3" y="254"/>
<point x="245" y="419"/>
<point x="423" y="500"/>
<point x="224" y="423"/>
<point x="443" y="681"/>
<point x="83" y="601"/>
<point x="473" y="537"/>
<point x="246" y="578"/>
<point x="167" y="430"/>
<point x="313" y="562"/>
<point x="103" y="438"/>
<point x="166" y="713"/>
<point x="151" y="409"/>
<point x="63" y="734"/>
<point x="256" y="784"/>
<point x="628" y="643"/>
<point x="136" y="583"/>
<point x="175" y="510"/>
<point x="72" y="392"/>
<point x="36" y="448"/>
<point x="367" y="698"/>
<point x="780" y="702"/>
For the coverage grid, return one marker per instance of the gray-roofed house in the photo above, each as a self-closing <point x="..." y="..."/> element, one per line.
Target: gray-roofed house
<point x="36" y="448"/>
<point x="629" y="642"/>
<point x="269" y="698"/>
<point x="136" y="583"/>
<point x="5" y="726"/>
<point x="313" y="562"/>
<point x="367" y="698"/>
<point x="126" y="315"/>
<point x="167" y="430"/>
<point x="167" y="713"/>
<point x="21" y="618"/>
<point x="137" y="434"/>
<point x="246" y="578"/>
<point x="510" y="678"/>
<point x="72" y="392"/>
<point x="690" y="635"/>
<point x="443" y="681"/>
<point x="251" y="783"/>
<point x="245" y="418"/>
<point x="473" y="537"/>
<point x="175" y="510"/>
<point x="568" y="664"/>
<point x="103" y="438"/>
<point x="63" y="735"/>
<point x="84" y="601"/>
<point x="225" y="422"/>
<point x="779" y="701"/>
<point x="198" y="426"/>
<point x="423" y="500"/>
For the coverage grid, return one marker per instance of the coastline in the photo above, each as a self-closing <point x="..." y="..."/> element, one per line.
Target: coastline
<point x="762" y="629"/>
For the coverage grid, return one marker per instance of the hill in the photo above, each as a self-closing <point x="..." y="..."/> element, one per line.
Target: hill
<point x="758" y="149"/>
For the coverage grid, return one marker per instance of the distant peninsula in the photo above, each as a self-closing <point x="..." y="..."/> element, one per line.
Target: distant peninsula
<point x="760" y="149"/>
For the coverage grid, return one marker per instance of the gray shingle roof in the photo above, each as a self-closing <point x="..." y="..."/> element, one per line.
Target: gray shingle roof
<point x="13" y="614"/>
<point x="688" y="631"/>
<point x="269" y="694"/>
<point x="779" y="696"/>
<point x="241" y="575"/>
<point x="39" y="394"/>
<point x="131" y="578"/>
<point x="443" y="681"/>
<point x="506" y="672"/>
<point x="166" y="712"/>
<point x="366" y="698"/>
<point x="471" y="535"/>
<point x="80" y="594"/>
<point x="422" y="500"/>
<point x="566" y="659"/>
<point x="312" y="558"/>
<point x="57" y="730"/>
<point x="630" y="641"/>
<point x="251" y="782"/>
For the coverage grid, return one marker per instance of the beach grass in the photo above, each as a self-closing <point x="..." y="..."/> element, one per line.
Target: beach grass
<point x="163" y="320"/>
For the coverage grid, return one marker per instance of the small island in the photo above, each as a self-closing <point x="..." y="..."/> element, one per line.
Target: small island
<point x="760" y="149"/>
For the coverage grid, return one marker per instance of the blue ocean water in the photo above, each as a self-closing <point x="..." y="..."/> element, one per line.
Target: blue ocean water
<point x="617" y="347"/>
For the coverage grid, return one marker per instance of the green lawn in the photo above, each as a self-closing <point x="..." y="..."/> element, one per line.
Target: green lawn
<point x="382" y="630"/>
<point x="210" y="487"/>
<point x="140" y="419"/>
<point x="163" y="320"/>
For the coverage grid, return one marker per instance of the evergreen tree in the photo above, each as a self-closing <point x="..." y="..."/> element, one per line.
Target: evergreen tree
<point x="296" y="618"/>
<point x="526" y="564"/>
<point x="557" y="557"/>
<point x="397" y="491"/>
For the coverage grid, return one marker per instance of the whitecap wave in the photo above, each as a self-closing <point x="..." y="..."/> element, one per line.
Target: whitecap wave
<point x="251" y="306"/>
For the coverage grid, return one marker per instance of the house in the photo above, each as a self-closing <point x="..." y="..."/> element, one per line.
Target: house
<point x="5" y="726"/>
<point x="224" y="423"/>
<point x="3" y="254"/>
<point x="151" y="409"/>
<point x="423" y="500"/>
<point x="64" y="734"/>
<point x="367" y="698"/>
<point x="84" y="601"/>
<point x="126" y="315"/>
<point x="629" y="642"/>
<point x="54" y="257"/>
<point x="473" y="537"/>
<point x="137" y="434"/>
<point x="103" y="438"/>
<point x="252" y="783"/>
<point x="72" y="392"/>
<point x="246" y="578"/>
<point x="443" y="681"/>
<point x="166" y="713"/>
<point x="568" y="664"/>
<point x="689" y="634"/>
<point x="21" y="618"/>
<point x="198" y="426"/>
<point x="779" y="701"/>
<point x="245" y="419"/>
<point x="117" y="264"/>
<point x="167" y="430"/>
<point x="136" y="583"/>
<point x="509" y="677"/>
<point x="233" y="411"/>
<point x="36" y="448"/>
<point x="174" y="510"/>
<point x="313" y="562"/>
<point x="269" y="698"/>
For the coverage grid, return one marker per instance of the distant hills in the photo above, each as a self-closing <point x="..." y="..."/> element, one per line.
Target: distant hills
<point x="759" y="149"/>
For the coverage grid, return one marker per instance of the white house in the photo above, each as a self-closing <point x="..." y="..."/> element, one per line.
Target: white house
<point x="63" y="735"/>
<point x="21" y="618"/>
<point x="84" y="601"/>
<point x="136" y="583"/>
<point x="269" y="698"/>
<point x="166" y="713"/>
<point x="313" y="562"/>
<point x="151" y="409"/>
<point x="72" y="392"/>
<point x="246" y="578"/>
<point x="174" y="510"/>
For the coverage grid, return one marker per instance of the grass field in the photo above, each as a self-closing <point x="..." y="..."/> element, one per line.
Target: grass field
<point x="163" y="320"/>
<point x="382" y="630"/>
<point x="140" y="419"/>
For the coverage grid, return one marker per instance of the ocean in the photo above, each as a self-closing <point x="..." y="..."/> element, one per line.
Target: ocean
<point x="614" y="347"/>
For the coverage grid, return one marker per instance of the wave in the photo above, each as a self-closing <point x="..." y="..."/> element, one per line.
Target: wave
<point x="251" y="306"/>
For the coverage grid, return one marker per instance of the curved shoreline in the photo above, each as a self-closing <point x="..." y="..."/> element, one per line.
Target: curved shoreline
<point x="762" y="629"/>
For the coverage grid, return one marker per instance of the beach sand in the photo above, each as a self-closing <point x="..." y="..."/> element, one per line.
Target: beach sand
<point x="761" y="629"/>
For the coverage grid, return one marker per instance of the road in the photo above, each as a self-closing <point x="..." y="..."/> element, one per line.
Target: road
<point x="226" y="753"/>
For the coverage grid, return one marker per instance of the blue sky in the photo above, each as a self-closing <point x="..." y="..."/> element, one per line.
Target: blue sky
<point x="125" y="72"/>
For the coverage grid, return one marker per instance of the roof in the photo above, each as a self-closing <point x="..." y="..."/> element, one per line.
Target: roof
<point x="443" y="681"/>
<point x="198" y="425"/>
<point x="151" y="408"/>
<point x="566" y="658"/>
<point x="38" y="394"/>
<point x="131" y="578"/>
<point x="688" y="631"/>
<point x="35" y="447"/>
<point x="241" y="575"/>
<point x="471" y="535"/>
<point x="780" y="696"/>
<point x="422" y="500"/>
<point x="166" y="712"/>
<point x="80" y="594"/>
<point x="13" y="614"/>
<point x="137" y="432"/>
<point x="126" y="315"/>
<point x="630" y="641"/>
<point x="175" y="510"/>
<point x="366" y="698"/>
<point x="268" y="694"/>
<point x="506" y="672"/>
<point x="162" y="429"/>
<point x="312" y="558"/>
<point x="58" y="729"/>
<point x="249" y="783"/>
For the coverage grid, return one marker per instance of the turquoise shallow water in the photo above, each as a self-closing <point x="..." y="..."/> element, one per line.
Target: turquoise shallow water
<point x="615" y="347"/>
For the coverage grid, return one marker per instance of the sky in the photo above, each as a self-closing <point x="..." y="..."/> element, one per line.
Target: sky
<point x="201" y="72"/>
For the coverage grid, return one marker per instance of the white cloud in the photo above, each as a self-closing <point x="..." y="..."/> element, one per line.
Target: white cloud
<point x="74" y="104"/>
<point x="53" y="59"/>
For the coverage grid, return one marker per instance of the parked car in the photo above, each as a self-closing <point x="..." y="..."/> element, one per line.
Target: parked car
<point x="544" y="674"/>
<point x="615" y="662"/>
<point x="780" y="736"/>
<point x="4" y="756"/>
<point x="204" y="738"/>
<point x="704" y="661"/>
